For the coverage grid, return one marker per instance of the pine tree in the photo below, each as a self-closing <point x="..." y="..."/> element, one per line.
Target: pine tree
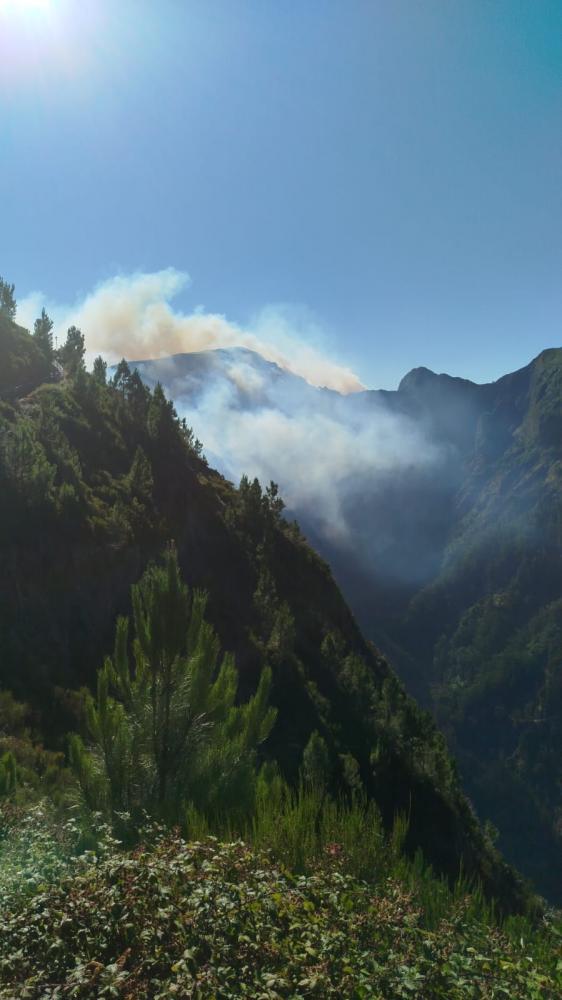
<point x="43" y="333"/>
<point x="7" y="300"/>
<point x="99" y="370"/>
<point x="71" y="354"/>
<point x="316" y="763"/>
<point x="28" y="474"/>
<point x="166" y="732"/>
<point x="275" y="504"/>
<point x="256" y="513"/>
<point x="193" y="443"/>
<point x="276" y="622"/>
<point x="162" y="420"/>
<point x="122" y="378"/>
<point x="141" y="480"/>
<point x="138" y="397"/>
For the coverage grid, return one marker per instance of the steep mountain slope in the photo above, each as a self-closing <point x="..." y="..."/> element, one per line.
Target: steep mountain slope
<point x="95" y="478"/>
<point x="488" y="629"/>
<point x="453" y="566"/>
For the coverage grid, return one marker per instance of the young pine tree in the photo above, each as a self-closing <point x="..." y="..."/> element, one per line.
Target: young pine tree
<point x="165" y="732"/>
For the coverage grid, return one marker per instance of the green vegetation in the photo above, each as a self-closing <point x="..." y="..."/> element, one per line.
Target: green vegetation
<point x="22" y="364"/>
<point x="8" y="774"/>
<point x="304" y="894"/>
<point x="97" y="476"/>
<point x="224" y="919"/>
<point x="173" y="735"/>
<point x="347" y="861"/>
<point x="7" y="300"/>
<point x="43" y="336"/>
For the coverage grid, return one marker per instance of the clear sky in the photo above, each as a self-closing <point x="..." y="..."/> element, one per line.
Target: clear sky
<point x="393" y="166"/>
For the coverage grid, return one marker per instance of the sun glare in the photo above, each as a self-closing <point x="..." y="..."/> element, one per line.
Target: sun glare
<point x="46" y="45"/>
<point x="26" y="8"/>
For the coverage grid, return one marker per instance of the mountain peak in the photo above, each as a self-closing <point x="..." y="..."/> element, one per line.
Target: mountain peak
<point x="421" y="379"/>
<point x="416" y="378"/>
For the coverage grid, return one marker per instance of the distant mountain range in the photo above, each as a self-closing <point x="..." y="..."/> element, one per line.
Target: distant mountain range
<point x="439" y="507"/>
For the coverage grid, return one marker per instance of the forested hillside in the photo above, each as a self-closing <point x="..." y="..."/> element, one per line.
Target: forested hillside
<point x="487" y="632"/>
<point x="451" y="565"/>
<point x="210" y="783"/>
<point x="96" y="479"/>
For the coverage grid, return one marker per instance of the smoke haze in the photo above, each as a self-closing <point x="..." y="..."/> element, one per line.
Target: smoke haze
<point x="131" y="317"/>
<point x="253" y="398"/>
<point x="326" y="450"/>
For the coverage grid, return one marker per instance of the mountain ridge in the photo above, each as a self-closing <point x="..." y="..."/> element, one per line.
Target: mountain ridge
<point x="551" y="353"/>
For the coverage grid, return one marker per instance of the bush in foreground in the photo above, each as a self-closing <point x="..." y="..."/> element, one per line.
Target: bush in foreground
<point x="222" y="920"/>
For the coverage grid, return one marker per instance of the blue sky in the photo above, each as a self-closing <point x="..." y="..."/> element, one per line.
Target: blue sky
<point x="389" y="170"/>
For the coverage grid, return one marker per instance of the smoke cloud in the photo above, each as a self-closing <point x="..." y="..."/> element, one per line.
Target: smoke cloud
<point x="131" y="317"/>
<point x="284" y="412"/>
<point x="324" y="449"/>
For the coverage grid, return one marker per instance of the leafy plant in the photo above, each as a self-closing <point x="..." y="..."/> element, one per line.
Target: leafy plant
<point x="213" y="919"/>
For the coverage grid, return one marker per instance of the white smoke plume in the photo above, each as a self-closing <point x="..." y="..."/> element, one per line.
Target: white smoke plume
<point x="320" y="460"/>
<point x="131" y="317"/>
<point x="328" y="450"/>
<point x="324" y="449"/>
